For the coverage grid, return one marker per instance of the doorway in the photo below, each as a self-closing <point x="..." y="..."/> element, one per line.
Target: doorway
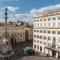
<point x="26" y="35"/>
<point x="53" y="53"/>
<point x="13" y="42"/>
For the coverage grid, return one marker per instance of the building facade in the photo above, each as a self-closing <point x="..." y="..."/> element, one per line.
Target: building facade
<point x="16" y="33"/>
<point x="46" y="34"/>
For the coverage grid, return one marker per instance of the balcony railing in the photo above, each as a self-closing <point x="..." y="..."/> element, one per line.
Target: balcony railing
<point x="52" y="46"/>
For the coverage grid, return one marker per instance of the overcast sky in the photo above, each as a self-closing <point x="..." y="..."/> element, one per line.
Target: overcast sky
<point x="24" y="10"/>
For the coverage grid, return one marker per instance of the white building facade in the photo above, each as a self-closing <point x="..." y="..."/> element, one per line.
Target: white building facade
<point x="46" y="34"/>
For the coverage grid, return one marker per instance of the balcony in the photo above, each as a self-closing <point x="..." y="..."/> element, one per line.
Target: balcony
<point x="52" y="46"/>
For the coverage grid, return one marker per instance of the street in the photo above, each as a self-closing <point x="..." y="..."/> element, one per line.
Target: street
<point x="38" y="58"/>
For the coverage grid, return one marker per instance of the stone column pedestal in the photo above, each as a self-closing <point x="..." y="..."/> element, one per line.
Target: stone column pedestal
<point x="56" y="54"/>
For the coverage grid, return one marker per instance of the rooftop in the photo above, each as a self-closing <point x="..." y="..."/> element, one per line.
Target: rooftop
<point x="49" y="14"/>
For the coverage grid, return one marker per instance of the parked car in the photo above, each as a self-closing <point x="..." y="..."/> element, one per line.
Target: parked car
<point x="28" y="51"/>
<point x="48" y="55"/>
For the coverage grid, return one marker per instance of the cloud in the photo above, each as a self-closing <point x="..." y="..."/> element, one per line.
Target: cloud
<point x="45" y="10"/>
<point x="24" y="17"/>
<point x="13" y="9"/>
<point x="28" y="17"/>
<point x="38" y="12"/>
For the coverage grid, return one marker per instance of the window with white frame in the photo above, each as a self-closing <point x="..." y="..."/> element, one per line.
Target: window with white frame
<point x="37" y="20"/>
<point x="58" y="23"/>
<point x="37" y="24"/>
<point x="44" y="37"/>
<point x="53" y="32"/>
<point x="54" y="23"/>
<point x="34" y="20"/>
<point x="58" y="18"/>
<point x="44" y="31"/>
<point x="49" y="32"/>
<point x="41" y="20"/>
<point x="59" y="39"/>
<point x="53" y="18"/>
<point x="40" y="37"/>
<point x="49" y="19"/>
<point x="38" y="47"/>
<point x="37" y="31"/>
<point x="44" y="19"/>
<point x="37" y="41"/>
<point x="40" y="31"/>
<point x="34" y="40"/>
<point x="35" y="46"/>
<point x="49" y="38"/>
<point x="58" y="32"/>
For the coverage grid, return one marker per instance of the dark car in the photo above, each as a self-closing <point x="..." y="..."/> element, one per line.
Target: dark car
<point x="28" y="51"/>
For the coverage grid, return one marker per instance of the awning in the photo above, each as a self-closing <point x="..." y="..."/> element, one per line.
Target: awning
<point x="51" y="48"/>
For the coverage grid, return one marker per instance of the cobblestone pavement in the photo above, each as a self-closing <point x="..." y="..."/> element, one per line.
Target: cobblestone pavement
<point x="38" y="58"/>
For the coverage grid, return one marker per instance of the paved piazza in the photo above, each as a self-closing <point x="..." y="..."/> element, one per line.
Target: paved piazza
<point x="38" y="58"/>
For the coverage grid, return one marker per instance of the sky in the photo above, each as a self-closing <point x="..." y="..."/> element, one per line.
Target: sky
<point x="24" y="10"/>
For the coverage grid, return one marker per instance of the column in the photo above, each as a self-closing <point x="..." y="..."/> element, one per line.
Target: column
<point x="56" y="54"/>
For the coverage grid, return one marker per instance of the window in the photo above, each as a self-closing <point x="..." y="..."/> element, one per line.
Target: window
<point x="54" y="32"/>
<point x="40" y="48"/>
<point x="49" y="38"/>
<point x="44" y="31"/>
<point x="40" y="37"/>
<point x="35" y="46"/>
<point x="44" y="43"/>
<point x="44" y="19"/>
<point x="59" y="23"/>
<point x="37" y="20"/>
<point x="40" y="19"/>
<point x="34" y="40"/>
<point x="45" y="24"/>
<point x="17" y="33"/>
<point x="49" y="32"/>
<point x="58" y="32"/>
<point x="37" y="24"/>
<point x="54" y="39"/>
<point x="34" y="30"/>
<point x="34" y="20"/>
<point x="49" y="19"/>
<point x="54" y="18"/>
<point x="49" y="44"/>
<point x="41" y="24"/>
<point x="44" y="37"/>
<point x="37" y="41"/>
<point x="58" y="18"/>
<point x="8" y="28"/>
<point x="54" y="42"/>
<point x="54" y="23"/>
<point x="34" y="35"/>
<point x="40" y="42"/>
<point x="40" y="31"/>
<point x="59" y="39"/>
<point x="37" y="30"/>
<point x="49" y="24"/>
<point x="37" y="36"/>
